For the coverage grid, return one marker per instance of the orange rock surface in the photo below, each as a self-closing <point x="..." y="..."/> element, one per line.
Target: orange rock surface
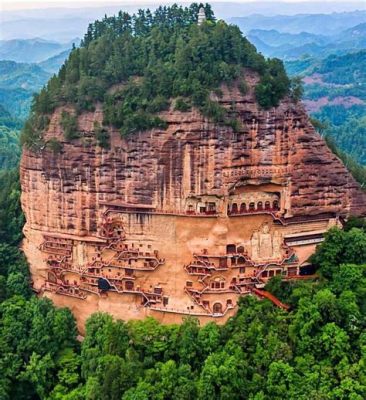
<point x="181" y="221"/>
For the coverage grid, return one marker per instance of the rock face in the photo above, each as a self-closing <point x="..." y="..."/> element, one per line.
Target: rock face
<point x="181" y="221"/>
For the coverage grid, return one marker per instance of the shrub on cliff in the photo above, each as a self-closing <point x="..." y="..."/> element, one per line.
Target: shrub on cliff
<point x="69" y="125"/>
<point x="54" y="145"/>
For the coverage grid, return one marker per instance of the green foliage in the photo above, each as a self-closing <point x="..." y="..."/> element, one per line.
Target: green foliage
<point x="214" y="111"/>
<point x="32" y="333"/>
<point x="69" y="124"/>
<point x="341" y="84"/>
<point x="18" y="83"/>
<point x="182" y="105"/>
<point x="54" y="145"/>
<point x="9" y="147"/>
<point x="358" y="171"/>
<point x="7" y="120"/>
<point x="243" y="87"/>
<point x="296" y="89"/>
<point x="346" y="127"/>
<point x="319" y="126"/>
<point x="355" y="222"/>
<point x="102" y="135"/>
<point x="340" y="247"/>
<point x="18" y="284"/>
<point x="11" y="217"/>
<point x="32" y="133"/>
<point x="273" y="86"/>
<point x="315" y="351"/>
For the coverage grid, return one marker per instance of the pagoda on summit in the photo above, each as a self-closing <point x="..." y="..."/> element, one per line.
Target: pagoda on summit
<point x="201" y="16"/>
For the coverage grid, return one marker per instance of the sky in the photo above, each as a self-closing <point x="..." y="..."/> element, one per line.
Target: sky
<point x="26" y="4"/>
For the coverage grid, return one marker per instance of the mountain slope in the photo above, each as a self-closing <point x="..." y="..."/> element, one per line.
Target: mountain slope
<point x="53" y="64"/>
<point x="288" y="46"/>
<point x="318" y="24"/>
<point x="18" y="83"/>
<point x="20" y="75"/>
<point x="335" y="93"/>
<point x="30" y="50"/>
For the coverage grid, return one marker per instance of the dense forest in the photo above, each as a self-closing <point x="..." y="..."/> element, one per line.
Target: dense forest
<point x="317" y="350"/>
<point x="150" y="60"/>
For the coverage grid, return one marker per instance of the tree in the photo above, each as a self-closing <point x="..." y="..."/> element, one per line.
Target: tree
<point x="39" y="372"/>
<point x="340" y="247"/>
<point x="223" y="377"/>
<point x="296" y="89"/>
<point x="187" y="341"/>
<point x="18" y="284"/>
<point x="282" y="381"/>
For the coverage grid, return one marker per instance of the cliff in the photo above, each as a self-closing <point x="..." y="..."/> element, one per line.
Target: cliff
<point x="176" y="214"/>
<point x="158" y="184"/>
<point x="193" y="157"/>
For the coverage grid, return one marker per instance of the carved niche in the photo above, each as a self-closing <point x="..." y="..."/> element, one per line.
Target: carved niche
<point x="266" y="245"/>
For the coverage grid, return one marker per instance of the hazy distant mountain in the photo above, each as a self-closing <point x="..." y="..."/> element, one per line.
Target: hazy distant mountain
<point x="290" y="46"/>
<point x="355" y="35"/>
<point x="58" y="29"/>
<point x="18" y="83"/>
<point x="335" y="69"/>
<point x="53" y="64"/>
<point x="275" y="38"/>
<point x="287" y="45"/>
<point x="25" y="76"/>
<point x="30" y="50"/>
<point x="318" y="24"/>
<point x="63" y="24"/>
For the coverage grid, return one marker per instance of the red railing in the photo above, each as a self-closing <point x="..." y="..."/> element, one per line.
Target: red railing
<point x="271" y="297"/>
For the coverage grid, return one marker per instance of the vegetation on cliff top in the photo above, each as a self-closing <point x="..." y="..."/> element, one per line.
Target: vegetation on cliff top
<point x="149" y="59"/>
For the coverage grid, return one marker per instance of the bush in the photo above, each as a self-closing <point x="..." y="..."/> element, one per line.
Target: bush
<point x="141" y="122"/>
<point x="32" y="132"/>
<point x="69" y="125"/>
<point x="296" y="89"/>
<point x="214" y="111"/>
<point x="158" y="104"/>
<point x="182" y="105"/>
<point x="243" y="87"/>
<point x="54" y="145"/>
<point x="273" y="85"/>
<point x="102" y="135"/>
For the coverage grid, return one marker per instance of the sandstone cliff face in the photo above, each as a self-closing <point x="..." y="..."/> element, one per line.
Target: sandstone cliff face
<point x="276" y="152"/>
<point x="161" y="168"/>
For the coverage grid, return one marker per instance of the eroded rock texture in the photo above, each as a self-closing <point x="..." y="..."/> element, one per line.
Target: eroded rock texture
<point x="180" y="221"/>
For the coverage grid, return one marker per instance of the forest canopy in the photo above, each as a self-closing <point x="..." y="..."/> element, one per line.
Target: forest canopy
<point x="136" y="65"/>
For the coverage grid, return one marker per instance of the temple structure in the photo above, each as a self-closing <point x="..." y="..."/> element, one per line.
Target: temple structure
<point x="181" y="221"/>
<point x="201" y="16"/>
